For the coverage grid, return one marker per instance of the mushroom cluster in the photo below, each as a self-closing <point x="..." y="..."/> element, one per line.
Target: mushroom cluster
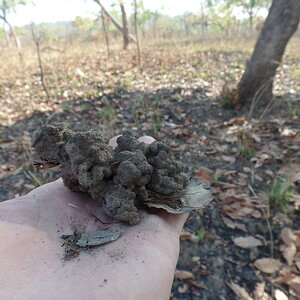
<point x="121" y="179"/>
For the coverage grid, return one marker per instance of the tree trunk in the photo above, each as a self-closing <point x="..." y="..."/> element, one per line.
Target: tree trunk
<point x="7" y="38"/>
<point x="204" y="24"/>
<point x="105" y="32"/>
<point x="125" y="26"/>
<point x="251" y="21"/>
<point x="257" y="81"/>
<point x="114" y="21"/>
<point x="14" y="35"/>
<point x="136" y="32"/>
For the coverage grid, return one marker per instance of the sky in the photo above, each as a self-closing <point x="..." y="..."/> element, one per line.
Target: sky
<point x="67" y="10"/>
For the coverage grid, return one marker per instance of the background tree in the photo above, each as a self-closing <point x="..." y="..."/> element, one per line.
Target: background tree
<point x="85" y="27"/>
<point x="250" y="7"/>
<point x="37" y="41"/>
<point x="220" y="16"/>
<point x="136" y="31"/>
<point x="125" y="30"/>
<point x="7" y="6"/>
<point x="115" y="21"/>
<point x="103" y="18"/>
<point x="148" y="20"/>
<point x="281" y="23"/>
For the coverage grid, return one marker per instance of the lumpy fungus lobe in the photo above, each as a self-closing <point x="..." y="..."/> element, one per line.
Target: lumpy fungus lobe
<point x="120" y="179"/>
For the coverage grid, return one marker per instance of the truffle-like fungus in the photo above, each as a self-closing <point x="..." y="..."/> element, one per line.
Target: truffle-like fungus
<point x="121" y="179"/>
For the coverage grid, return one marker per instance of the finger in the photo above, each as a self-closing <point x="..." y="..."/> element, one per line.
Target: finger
<point x="113" y="141"/>
<point x="147" y="139"/>
<point x="175" y="221"/>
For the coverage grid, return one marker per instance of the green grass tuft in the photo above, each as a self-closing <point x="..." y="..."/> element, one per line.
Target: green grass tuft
<point x="282" y="192"/>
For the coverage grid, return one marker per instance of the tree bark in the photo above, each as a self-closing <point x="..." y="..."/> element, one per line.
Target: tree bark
<point x="7" y="38"/>
<point x="105" y="32"/>
<point x="257" y="81"/>
<point x="251" y="21"/>
<point x="137" y="33"/>
<point x="125" y="26"/>
<point x="16" y="39"/>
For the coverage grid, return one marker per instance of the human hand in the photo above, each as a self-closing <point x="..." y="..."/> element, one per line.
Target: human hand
<point x="139" y="265"/>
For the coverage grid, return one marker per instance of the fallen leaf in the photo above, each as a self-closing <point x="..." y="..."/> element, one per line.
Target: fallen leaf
<point x="289" y="252"/>
<point x="268" y="265"/>
<point x="183" y="275"/>
<point x="205" y="175"/>
<point x="296" y="288"/>
<point x="8" y="146"/>
<point x="240" y="291"/>
<point x="79" y="73"/>
<point x="241" y="227"/>
<point x="197" y="284"/>
<point x="255" y="137"/>
<point x="288" y="132"/>
<point x="296" y="203"/>
<point x="292" y="280"/>
<point x="196" y="196"/>
<point x="297" y="242"/>
<point x="270" y="173"/>
<point x="247" y="170"/>
<point x="298" y="264"/>
<point x="236" y="213"/>
<point x="280" y="295"/>
<point x="256" y="214"/>
<point x="229" y="223"/>
<point x="286" y="279"/>
<point x="247" y="242"/>
<point x="260" y="159"/>
<point x="259" y="292"/>
<point x="235" y="121"/>
<point x="288" y="236"/>
<point x="196" y="259"/>
<point x="98" y="237"/>
<point x="185" y="235"/>
<point x="183" y="289"/>
<point x="226" y="158"/>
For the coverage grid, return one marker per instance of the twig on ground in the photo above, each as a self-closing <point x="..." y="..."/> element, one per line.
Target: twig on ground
<point x="252" y="190"/>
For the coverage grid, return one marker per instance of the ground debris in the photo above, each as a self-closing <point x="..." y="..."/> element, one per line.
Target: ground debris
<point x="183" y="275"/>
<point x="268" y="265"/>
<point x="240" y="291"/>
<point x="247" y="242"/>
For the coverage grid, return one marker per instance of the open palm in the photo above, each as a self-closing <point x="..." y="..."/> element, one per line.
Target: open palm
<point x="139" y="265"/>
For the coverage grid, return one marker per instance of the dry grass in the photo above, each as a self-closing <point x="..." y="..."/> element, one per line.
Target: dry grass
<point x="83" y="71"/>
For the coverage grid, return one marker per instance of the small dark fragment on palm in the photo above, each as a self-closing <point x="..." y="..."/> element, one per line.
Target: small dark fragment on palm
<point x="74" y="243"/>
<point x="96" y="238"/>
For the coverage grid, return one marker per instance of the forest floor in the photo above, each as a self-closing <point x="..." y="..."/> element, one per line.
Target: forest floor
<point x="246" y="244"/>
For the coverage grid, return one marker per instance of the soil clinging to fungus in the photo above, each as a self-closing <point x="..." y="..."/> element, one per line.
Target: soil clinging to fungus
<point x="121" y="179"/>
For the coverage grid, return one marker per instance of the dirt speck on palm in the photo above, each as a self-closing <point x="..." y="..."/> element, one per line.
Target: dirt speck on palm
<point x="120" y="179"/>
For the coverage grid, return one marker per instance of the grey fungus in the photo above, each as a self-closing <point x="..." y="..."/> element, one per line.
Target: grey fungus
<point x="120" y="179"/>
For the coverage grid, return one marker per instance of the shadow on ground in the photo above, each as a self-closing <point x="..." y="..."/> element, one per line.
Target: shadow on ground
<point x="190" y="122"/>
